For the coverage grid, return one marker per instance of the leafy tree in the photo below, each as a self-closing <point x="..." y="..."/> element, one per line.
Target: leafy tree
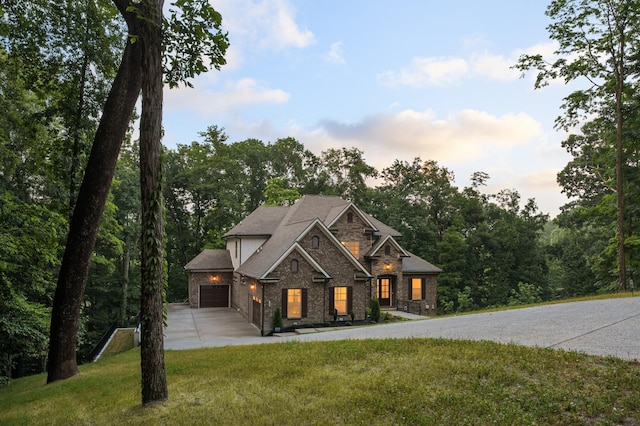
<point x="30" y="246"/>
<point x="597" y="42"/>
<point x="341" y="172"/>
<point x="277" y="194"/>
<point x="141" y="19"/>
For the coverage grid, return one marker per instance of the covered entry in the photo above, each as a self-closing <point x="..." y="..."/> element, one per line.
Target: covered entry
<point x="214" y="296"/>
<point x="385" y="291"/>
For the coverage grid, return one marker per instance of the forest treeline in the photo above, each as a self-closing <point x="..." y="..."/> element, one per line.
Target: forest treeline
<point x="494" y="249"/>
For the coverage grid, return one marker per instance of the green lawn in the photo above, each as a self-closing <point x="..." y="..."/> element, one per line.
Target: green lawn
<point x="413" y="381"/>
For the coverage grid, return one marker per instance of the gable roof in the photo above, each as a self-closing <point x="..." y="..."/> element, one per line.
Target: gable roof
<point x="298" y="248"/>
<point x="211" y="260"/>
<point x="384" y="240"/>
<point x="285" y="226"/>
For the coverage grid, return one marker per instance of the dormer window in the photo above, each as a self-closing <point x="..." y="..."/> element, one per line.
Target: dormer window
<point x="315" y="242"/>
<point x="294" y="265"/>
<point x="349" y="217"/>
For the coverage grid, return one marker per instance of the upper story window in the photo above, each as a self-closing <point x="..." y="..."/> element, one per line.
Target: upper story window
<point x="294" y="265"/>
<point x="353" y="247"/>
<point x="315" y="242"/>
<point x="387" y="250"/>
<point x="349" y="217"/>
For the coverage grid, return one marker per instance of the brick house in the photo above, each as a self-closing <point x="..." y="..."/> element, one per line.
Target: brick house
<point x="320" y="256"/>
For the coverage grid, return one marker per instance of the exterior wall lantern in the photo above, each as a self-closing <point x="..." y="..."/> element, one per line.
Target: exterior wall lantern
<point x="214" y="278"/>
<point x="253" y="286"/>
<point x="387" y="267"/>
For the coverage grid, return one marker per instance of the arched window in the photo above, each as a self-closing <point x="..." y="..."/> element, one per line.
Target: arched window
<point x="315" y="242"/>
<point x="349" y="217"/>
<point x="387" y="250"/>
<point x="294" y="265"/>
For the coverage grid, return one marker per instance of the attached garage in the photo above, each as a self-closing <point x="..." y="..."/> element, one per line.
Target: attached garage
<point x="210" y="279"/>
<point x="256" y="312"/>
<point x="214" y="296"/>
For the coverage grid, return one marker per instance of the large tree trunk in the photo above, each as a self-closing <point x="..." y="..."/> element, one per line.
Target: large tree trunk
<point x="154" y="383"/>
<point x="89" y="208"/>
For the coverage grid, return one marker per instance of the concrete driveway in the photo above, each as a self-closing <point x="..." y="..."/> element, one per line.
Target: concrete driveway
<point x="599" y="327"/>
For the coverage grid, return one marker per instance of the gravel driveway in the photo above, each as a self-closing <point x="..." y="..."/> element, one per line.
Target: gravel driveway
<point x="599" y="327"/>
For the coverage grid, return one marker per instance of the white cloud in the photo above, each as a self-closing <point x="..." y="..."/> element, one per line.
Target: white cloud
<point x="495" y="67"/>
<point x="462" y="136"/>
<point x="465" y="142"/>
<point x="207" y="102"/>
<point x="440" y="71"/>
<point x="336" y="53"/>
<point x="426" y="72"/>
<point x="269" y="24"/>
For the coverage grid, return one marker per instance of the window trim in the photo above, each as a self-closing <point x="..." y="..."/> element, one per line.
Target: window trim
<point x="285" y="303"/>
<point x="349" y="296"/>
<point x="340" y="301"/>
<point x="412" y="289"/>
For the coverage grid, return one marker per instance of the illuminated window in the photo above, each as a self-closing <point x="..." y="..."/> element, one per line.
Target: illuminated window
<point x="315" y="242"/>
<point x="294" y="303"/>
<point x="352" y="246"/>
<point x="340" y="300"/>
<point x="416" y="288"/>
<point x="294" y="265"/>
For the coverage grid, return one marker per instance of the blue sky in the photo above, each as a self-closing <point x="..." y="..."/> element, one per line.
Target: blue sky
<point x="395" y="79"/>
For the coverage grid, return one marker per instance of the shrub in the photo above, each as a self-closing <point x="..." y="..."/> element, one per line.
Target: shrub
<point x="375" y="310"/>
<point x="277" y="319"/>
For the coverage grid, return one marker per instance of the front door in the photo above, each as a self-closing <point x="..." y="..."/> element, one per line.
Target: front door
<point x="384" y="291"/>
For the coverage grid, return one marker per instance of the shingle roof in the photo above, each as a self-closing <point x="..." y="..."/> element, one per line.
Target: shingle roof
<point x="296" y="220"/>
<point x="211" y="260"/>
<point x="416" y="265"/>
<point x="283" y="225"/>
<point x="262" y="221"/>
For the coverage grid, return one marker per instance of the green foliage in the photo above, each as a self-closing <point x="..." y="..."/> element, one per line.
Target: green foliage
<point x="30" y="250"/>
<point x="193" y="41"/>
<point x="277" y="194"/>
<point x="526" y="294"/>
<point x="277" y="319"/>
<point x="375" y="309"/>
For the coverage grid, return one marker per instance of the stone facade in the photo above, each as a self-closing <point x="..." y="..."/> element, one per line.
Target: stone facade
<point x="196" y="279"/>
<point x="426" y="305"/>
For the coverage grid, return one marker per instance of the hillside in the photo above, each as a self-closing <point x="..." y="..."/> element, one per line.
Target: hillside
<point x="417" y="381"/>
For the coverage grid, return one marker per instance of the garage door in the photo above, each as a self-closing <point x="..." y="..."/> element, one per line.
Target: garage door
<point x="214" y="296"/>
<point x="256" y="312"/>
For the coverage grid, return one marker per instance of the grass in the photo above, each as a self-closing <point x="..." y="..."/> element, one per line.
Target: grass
<point x="412" y="381"/>
<point x="121" y="341"/>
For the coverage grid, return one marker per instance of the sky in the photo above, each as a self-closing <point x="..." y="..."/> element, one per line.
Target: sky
<point x="395" y="79"/>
